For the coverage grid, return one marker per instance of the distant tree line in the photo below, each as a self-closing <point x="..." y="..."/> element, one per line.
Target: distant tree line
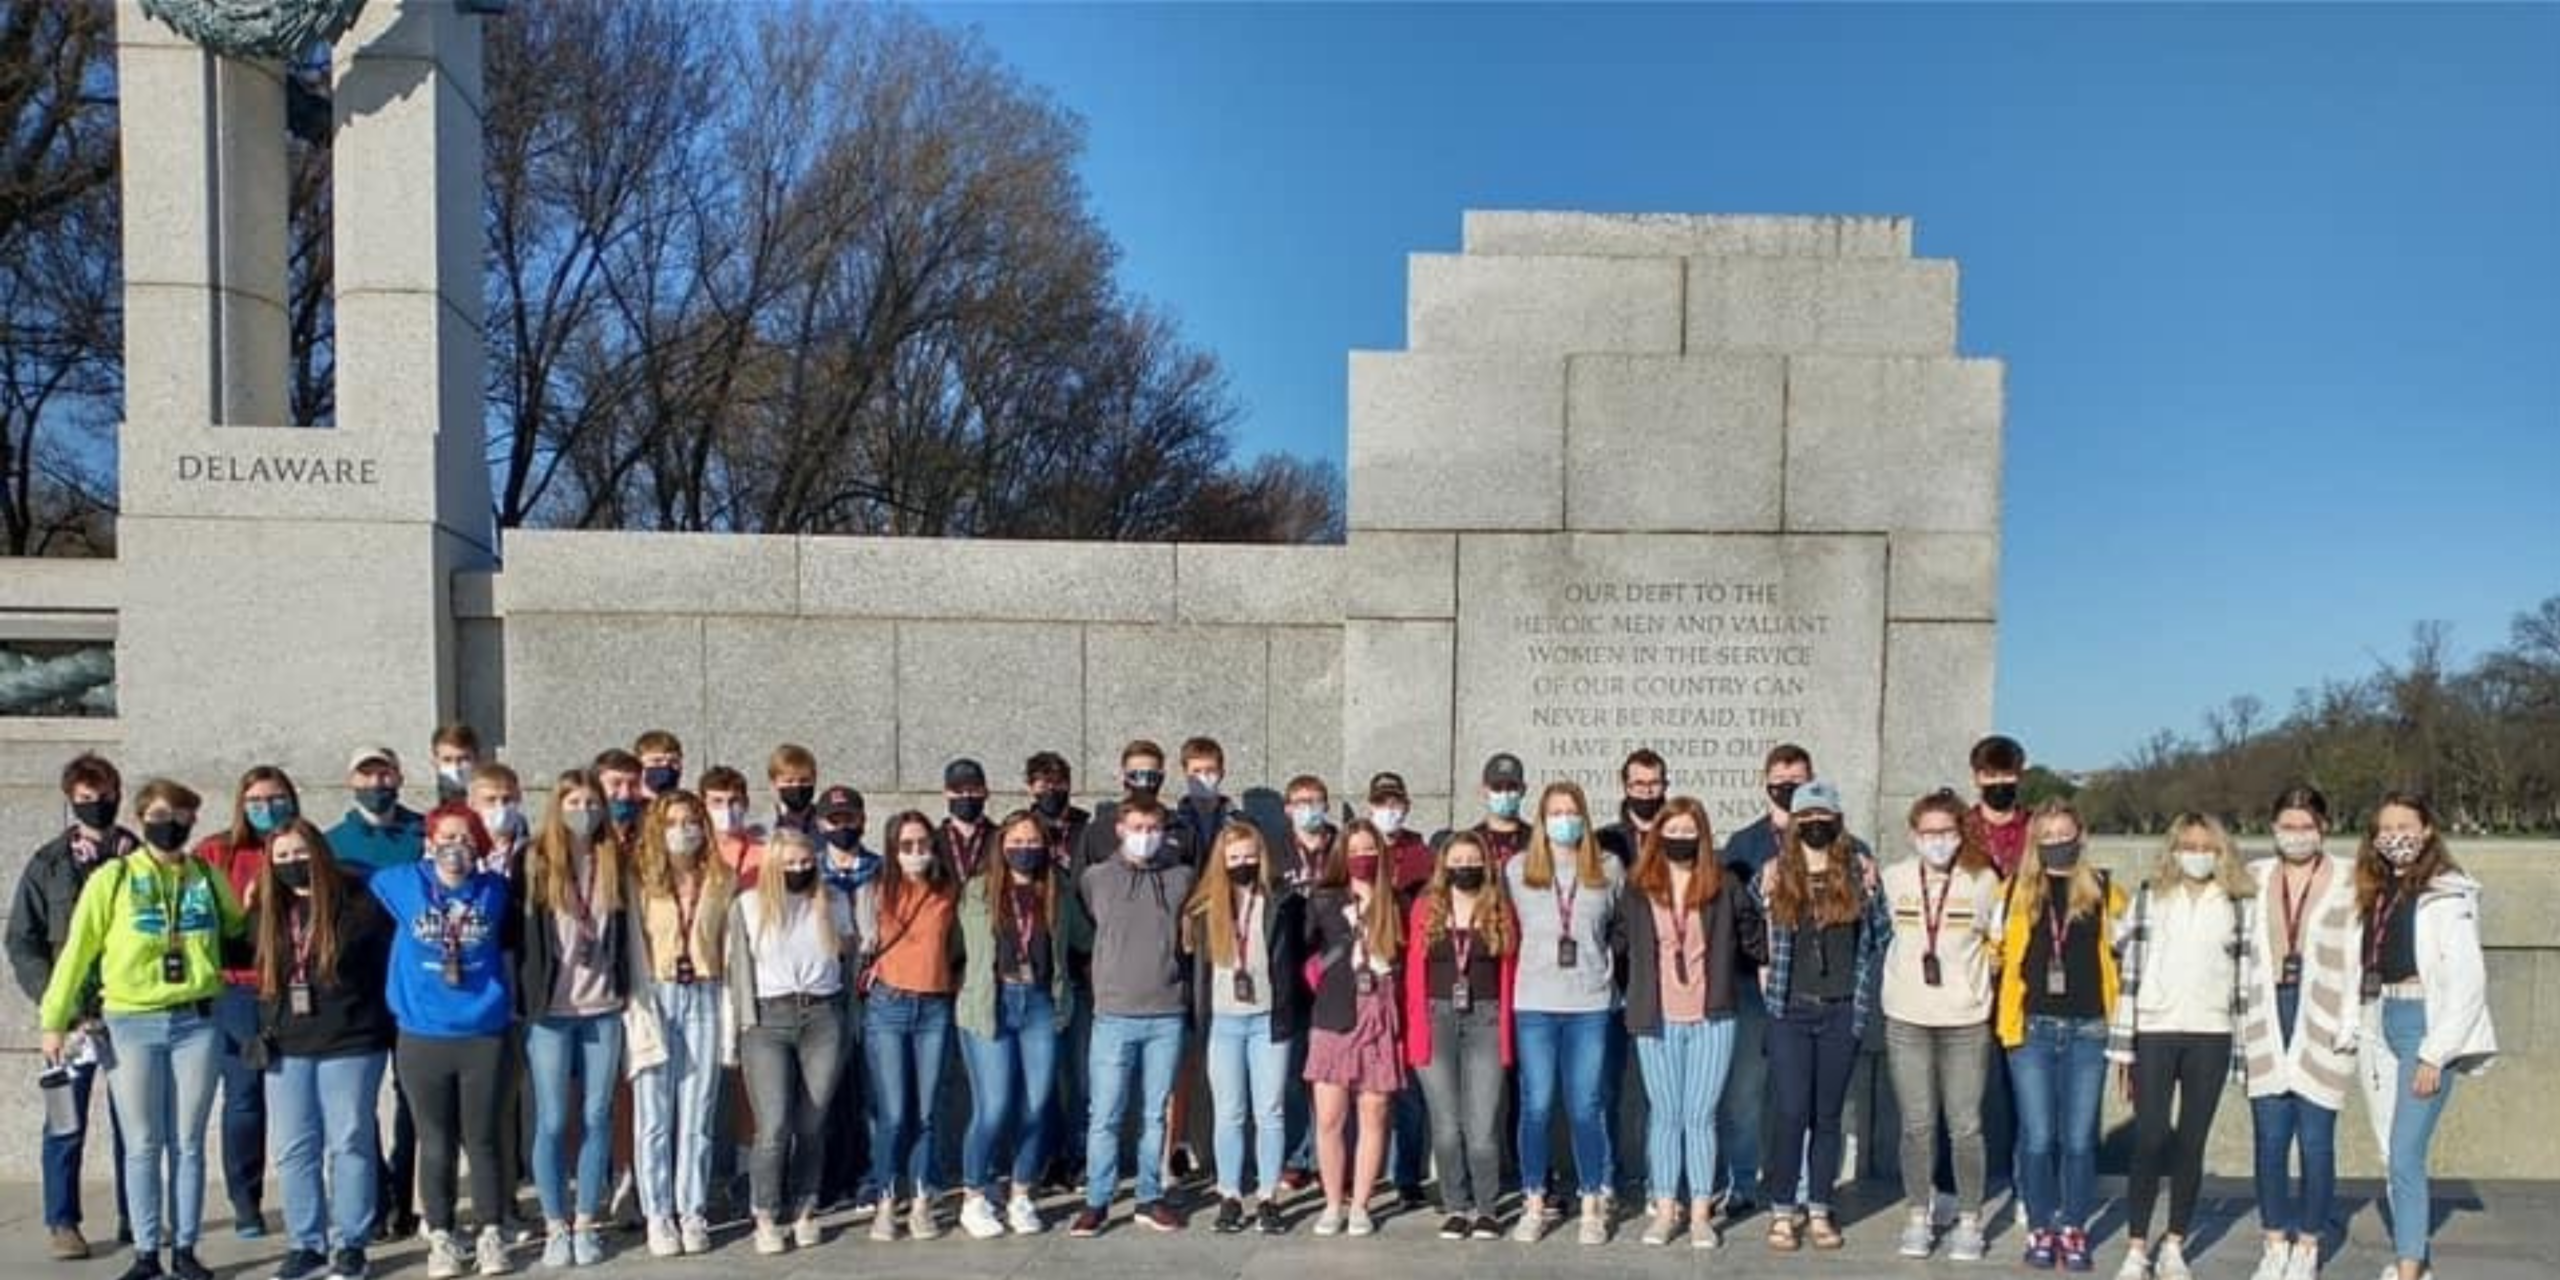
<point x="2482" y="740"/>
<point x="790" y="269"/>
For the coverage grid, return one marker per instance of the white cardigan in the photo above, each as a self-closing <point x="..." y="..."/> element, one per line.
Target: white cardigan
<point x="2319" y="1063"/>
<point x="2455" y="975"/>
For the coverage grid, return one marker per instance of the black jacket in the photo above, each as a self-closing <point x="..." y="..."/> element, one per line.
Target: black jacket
<point x="537" y="944"/>
<point x="1284" y="933"/>
<point x="353" y="1014"/>
<point x="1735" y="933"/>
<point x="1336" y="1000"/>
<point x="40" y="916"/>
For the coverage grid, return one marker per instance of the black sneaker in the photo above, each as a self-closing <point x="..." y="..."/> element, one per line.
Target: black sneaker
<point x="1266" y="1219"/>
<point x="302" y="1264"/>
<point x="1156" y="1215"/>
<point x="1411" y="1199"/>
<point x="1486" y="1228"/>
<point x="348" y="1264"/>
<point x="1087" y="1225"/>
<point x="146" y="1266"/>
<point x="396" y="1226"/>
<point x="1456" y="1227"/>
<point x="1230" y="1217"/>
<point x="183" y="1266"/>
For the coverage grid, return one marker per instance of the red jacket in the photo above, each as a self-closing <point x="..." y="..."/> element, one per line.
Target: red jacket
<point x="1417" y="993"/>
<point x="241" y="867"/>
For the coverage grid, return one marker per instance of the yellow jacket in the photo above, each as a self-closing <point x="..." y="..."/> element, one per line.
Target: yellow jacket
<point x="2015" y="932"/>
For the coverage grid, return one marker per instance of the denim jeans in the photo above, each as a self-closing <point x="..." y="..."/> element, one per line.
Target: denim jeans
<point x="906" y="1038"/>
<point x="2278" y="1124"/>
<point x="1069" y="1100"/>
<point x="321" y="1113"/>
<point x="1464" y="1081"/>
<point x="2058" y="1076"/>
<point x="244" y="1104"/>
<point x="1408" y="1136"/>
<point x="1248" y="1082"/>
<point x="844" y="1171"/>
<point x="1298" y="1115"/>
<point x="62" y="1157"/>
<point x="1561" y="1058"/>
<point x="1148" y="1047"/>
<point x="1012" y="1076"/>
<point x="791" y="1058"/>
<point x="555" y="1049"/>
<point x="1812" y="1053"/>
<point x="1939" y="1072"/>
<point x="2404" y="1125"/>
<point x="1742" y="1114"/>
<point x="167" y="1064"/>
<point x="675" y="1104"/>
<point x="1684" y="1074"/>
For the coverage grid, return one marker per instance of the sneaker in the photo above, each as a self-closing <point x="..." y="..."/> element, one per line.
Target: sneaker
<point x="921" y="1224"/>
<point x="1917" y="1238"/>
<point x="2171" y="1262"/>
<point x="68" y="1245"/>
<point x="1702" y="1226"/>
<point x="1486" y="1227"/>
<point x="2302" y="1261"/>
<point x="1156" y="1215"/>
<point x="770" y="1240"/>
<point x="2275" y="1262"/>
<point x="1329" y="1221"/>
<point x="1457" y="1227"/>
<point x="555" y="1247"/>
<point x="2137" y="1266"/>
<point x="1230" y="1216"/>
<point x="1595" y="1221"/>
<point x="1411" y="1200"/>
<point x="1358" y="1222"/>
<point x="1532" y="1225"/>
<point x="805" y="1233"/>
<point x="978" y="1217"/>
<point x="1297" y="1179"/>
<point x="884" y="1221"/>
<point x="251" y="1225"/>
<point x="1022" y="1216"/>
<point x="694" y="1233"/>
<point x="586" y="1247"/>
<point x="146" y="1266"/>
<point x="1664" y="1224"/>
<point x="2040" y="1250"/>
<point x="2075" y="1250"/>
<point x="1965" y="1242"/>
<point x="396" y="1226"/>
<point x="349" y="1264"/>
<point x="1266" y="1219"/>
<point x="302" y="1264"/>
<point x="444" y="1257"/>
<point x="184" y="1266"/>
<point x="491" y="1253"/>
<point x="663" y="1240"/>
<point x="1087" y="1224"/>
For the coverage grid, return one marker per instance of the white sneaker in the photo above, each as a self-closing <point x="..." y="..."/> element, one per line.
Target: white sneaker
<point x="884" y="1222"/>
<point x="1595" y="1220"/>
<point x="2171" y="1264"/>
<point x="1664" y="1224"/>
<point x="2275" y="1262"/>
<point x="769" y="1238"/>
<point x="1329" y="1222"/>
<point x="444" y="1259"/>
<point x="664" y="1242"/>
<point x="2137" y="1266"/>
<point x="1358" y="1222"/>
<point x="695" y="1233"/>
<point x="805" y="1233"/>
<point x="978" y="1217"/>
<point x="2302" y="1261"/>
<point x="921" y="1223"/>
<point x="1533" y="1220"/>
<point x="1022" y="1217"/>
<point x="492" y="1253"/>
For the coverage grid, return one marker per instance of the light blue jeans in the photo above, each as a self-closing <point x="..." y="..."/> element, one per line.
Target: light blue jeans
<point x="906" y="1039"/>
<point x="167" y="1065"/>
<point x="1012" y="1077"/>
<point x="2403" y="1122"/>
<point x="1684" y="1074"/>
<point x="1150" y="1048"/>
<point x="1248" y="1083"/>
<point x="2059" y="1076"/>
<point x="320" y="1123"/>
<point x="590" y="1049"/>
<point x="1563" y="1054"/>
<point x="675" y="1104"/>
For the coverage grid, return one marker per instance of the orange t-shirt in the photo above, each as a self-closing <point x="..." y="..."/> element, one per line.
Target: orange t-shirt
<point x="917" y="931"/>
<point x="744" y="852"/>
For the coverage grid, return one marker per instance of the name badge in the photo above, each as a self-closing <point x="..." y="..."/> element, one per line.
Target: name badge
<point x="684" y="971"/>
<point x="2057" y="980"/>
<point x="1568" y="952"/>
<point x="1461" y="997"/>
<point x="297" y="999"/>
<point x="1366" y="982"/>
<point x="2292" y="976"/>
<point x="173" y="967"/>
<point x="2372" y="984"/>
<point x="453" y="968"/>
<point x="1244" y="987"/>
<point x="1930" y="971"/>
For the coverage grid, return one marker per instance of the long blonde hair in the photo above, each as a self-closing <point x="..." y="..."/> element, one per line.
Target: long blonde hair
<point x="2029" y="887"/>
<point x="2227" y="870"/>
<point x="1213" y="903"/>
<point x="655" y="878"/>
<point x="551" y="872"/>
<point x="1539" y="869"/>
<point x="773" y="899"/>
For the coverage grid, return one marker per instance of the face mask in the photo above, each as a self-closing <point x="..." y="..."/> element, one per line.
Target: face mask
<point x="2297" y="846"/>
<point x="684" y="842"/>
<point x="2061" y="855"/>
<point x="1387" y="821"/>
<point x="796" y="799"/>
<point x="504" y="819"/>
<point x="845" y="838"/>
<point x="1308" y="817"/>
<point x="1818" y="834"/>
<point x="915" y="864"/>
<point x="1466" y="879"/>
<point x="453" y="782"/>
<point x="625" y="812"/>
<point x="1782" y="794"/>
<point x="800" y="880"/>
<point x="1143" y="782"/>
<point x="295" y="876"/>
<point x="2000" y="797"/>
<point x="728" y="818"/>
<point x="968" y="808"/>
<point x="661" y="778"/>
<point x="1938" y="851"/>
<point x="267" y="815"/>
<point x="1642" y="810"/>
<point x="167" y="835"/>
<point x="1247" y="872"/>
<point x="1683" y="850"/>
<point x="1202" y="786"/>
<point x="1140" y="846"/>
<point x="96" y="815"/>
<point x="2198" y="865"/>
<point x="1503" y="804"/>
<point x="377" y="801"/>
<point x="454" y="857"/>
<point x="1030" y="860"/>
<point x="2399" y="848"/>
<point x="1564" y="829"/>
<point x="1050" y="803"/>
<point x="581" y="822"/>
<point x="1364" y="866"/>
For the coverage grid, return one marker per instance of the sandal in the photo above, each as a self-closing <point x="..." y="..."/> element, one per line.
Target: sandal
<point x="1782" y="1233"/>
<point x="1822" y="1233"/>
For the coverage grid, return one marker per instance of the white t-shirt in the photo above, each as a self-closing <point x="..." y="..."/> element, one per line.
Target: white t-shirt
<point x="795" y="959"/>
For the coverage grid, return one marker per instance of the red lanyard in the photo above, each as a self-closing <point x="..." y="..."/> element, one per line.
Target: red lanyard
<point x="1567" y="890"/>
<point x="442" y="903"/>
<point x="1462" y="943"/>
<point x="2294" y="903"/>
<point x="1248" y="915"/>
<point x="1359" y="934"/>
<point x="1932" y="918"/>
<point x="585" y="887"/>
<point x="1680" y="937"/>
<point x="2057" y="925"/>
<point x="1025" y="925"/>
<point x="687" y="906"/>
<point x="301" y="927"/>
<point x="2377" y="931"/>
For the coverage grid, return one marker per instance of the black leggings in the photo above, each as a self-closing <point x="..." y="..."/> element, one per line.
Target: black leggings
<point x="454" y="1091"/>
<point x="2194" y="1066"/>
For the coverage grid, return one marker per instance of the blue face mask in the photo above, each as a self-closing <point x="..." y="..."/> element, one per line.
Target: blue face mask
<point x="625" y="812"/>
<point x="1564" y="828"/>
<point x="1503" y="804"/>
<point x="265" y="816"/>
<point x="1309" y="817"/>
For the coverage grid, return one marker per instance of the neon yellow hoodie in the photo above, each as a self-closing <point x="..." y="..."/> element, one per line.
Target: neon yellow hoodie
<point x="119" y="926"/>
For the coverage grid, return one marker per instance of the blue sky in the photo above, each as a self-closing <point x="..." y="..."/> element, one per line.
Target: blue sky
<point x="2279" y="287"/>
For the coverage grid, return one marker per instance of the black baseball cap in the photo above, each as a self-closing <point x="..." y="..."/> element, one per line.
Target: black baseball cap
<point x="1503" y="772"/>
<point x="1386" y="786"/>
<point x="839" y="799"/>
<point x="963" y="772"/>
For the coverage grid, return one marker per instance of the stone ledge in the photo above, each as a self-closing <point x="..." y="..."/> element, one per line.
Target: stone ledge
<point x="1444" y="441"/>
<point x="1684" y="235"/>
<point x="985" y="579"/>
<point x="1557" y="306"/>
<point x="1803" y="306"/>
<point x="582" y="571"/>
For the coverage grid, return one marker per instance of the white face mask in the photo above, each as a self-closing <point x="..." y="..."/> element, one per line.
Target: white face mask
<point x="684" y="841"/>
<point x="915" y="864"/>
<point x="728" y="818"/>
<point x="1141" y="846"/>
<point x="504" y="819"/>
<point x="1387" y="821"/>
<point x="1939" y="850"/>
<point x="2198" y="864"/>
<point x="2297" y="846"/>
<point x="2399" y="848"/>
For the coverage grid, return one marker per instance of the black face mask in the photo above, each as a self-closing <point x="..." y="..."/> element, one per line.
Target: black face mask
<point x="1466" y="879"/>
<point x="294" y="875"/>
<point x="968" y="808"/>
<point x="2000" y="797"/>
<point x="167" y="836"/>
<point x="1818" y="835"/>
<point x="661" y="778"/>
<point x="796" y="799"/>
<point x="1683" y="850"/>
<point x="2060" y="856"/>
<point x="96" y="815"/>
<point x="1143" y="782"/>
<point x="1641" y="810"/>
<point x="846" y="839"/>
<point x="1050" y="803"/>
<point x="1030" y="862"/>
<point x="1244" y="873"/>
<point x="378" y="801"/>
<point x="800" y="879"/>
<point x="1783" y="794"/>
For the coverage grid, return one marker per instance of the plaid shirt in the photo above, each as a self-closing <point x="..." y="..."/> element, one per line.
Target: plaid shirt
<point x="2133" y="949"/>
<point x="1874" y="935"/>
